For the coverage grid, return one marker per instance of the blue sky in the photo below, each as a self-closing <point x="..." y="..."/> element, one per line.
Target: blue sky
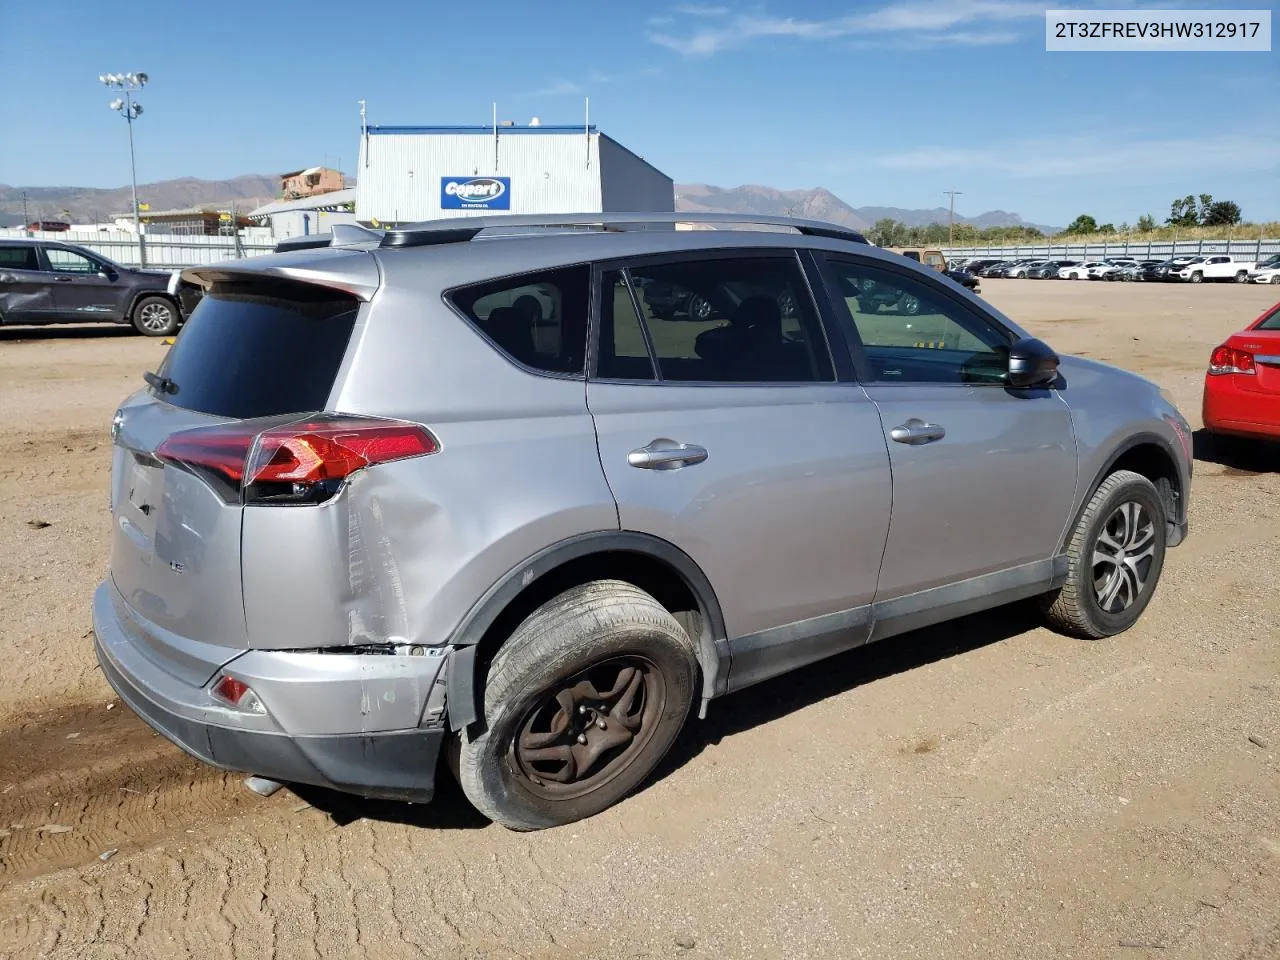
<point x="884" y="103"/>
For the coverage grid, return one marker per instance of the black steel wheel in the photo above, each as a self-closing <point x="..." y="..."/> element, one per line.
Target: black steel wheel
<point x="580" y="704"/>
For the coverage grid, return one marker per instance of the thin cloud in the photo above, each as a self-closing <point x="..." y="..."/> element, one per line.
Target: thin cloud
<point x="698" y="10"/>
<point x="1061" y="157"/>
<point x="557" y="88"/>
<point x="933" y="22"/>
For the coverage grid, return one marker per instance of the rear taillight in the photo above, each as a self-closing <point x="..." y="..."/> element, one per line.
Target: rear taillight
<point x="1226" y="359"/>
<point x="301" y="462"/>
<point x="238" y="694"/>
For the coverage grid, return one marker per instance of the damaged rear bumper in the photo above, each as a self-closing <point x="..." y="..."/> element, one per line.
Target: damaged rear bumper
<point x="360" y="723"/>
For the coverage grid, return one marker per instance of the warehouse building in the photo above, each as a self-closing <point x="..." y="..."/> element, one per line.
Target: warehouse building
<point x="424" y="173"/>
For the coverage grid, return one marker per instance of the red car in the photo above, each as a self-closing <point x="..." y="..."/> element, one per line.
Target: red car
<point x="1242" y="385"/>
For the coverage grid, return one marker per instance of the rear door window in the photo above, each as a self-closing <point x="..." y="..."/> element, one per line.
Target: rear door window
<point x="19" y="258"/>
<point x="726" y="320"/>
<point x="260" y="350"/>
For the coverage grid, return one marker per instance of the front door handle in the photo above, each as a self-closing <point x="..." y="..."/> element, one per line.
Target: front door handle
<point x="64" y="279"/>
<point x="916" y="432"/>
<point x="664" y="454"/>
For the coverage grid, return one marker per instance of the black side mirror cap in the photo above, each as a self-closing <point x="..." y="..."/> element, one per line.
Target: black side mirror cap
<point x="1032" y="363"/>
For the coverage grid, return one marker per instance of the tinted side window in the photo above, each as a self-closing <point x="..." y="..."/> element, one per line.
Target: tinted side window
<point x="741" y="320"/>
<point x="19" y="258"/>
<point x="913" y="333"/>
<point x="68" y="261"/>
<point x="623" y="353"/>
<point x="538" y="320"/>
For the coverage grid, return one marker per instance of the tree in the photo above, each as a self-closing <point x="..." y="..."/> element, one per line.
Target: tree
<point x="1107" y="228"/>
<point x="885" y="232"/>
<point x="1183" y="213"/>
<point x="1082" y="224"/>
<point x="1224" y="213"/>
<point x="1146" y="223"/>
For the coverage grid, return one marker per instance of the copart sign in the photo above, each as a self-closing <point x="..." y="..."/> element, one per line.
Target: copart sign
<point x="475" y="193"/>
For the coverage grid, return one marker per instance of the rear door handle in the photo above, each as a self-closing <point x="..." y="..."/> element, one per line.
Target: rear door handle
<point x="664" y="454"/>
<point x="916" y="432"/>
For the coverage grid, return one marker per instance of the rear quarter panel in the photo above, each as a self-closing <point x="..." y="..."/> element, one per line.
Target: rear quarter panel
<point x="403" y="553"/>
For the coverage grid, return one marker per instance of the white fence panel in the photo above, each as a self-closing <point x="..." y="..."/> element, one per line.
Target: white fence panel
<point x="1256" y="249"/>
<point x="163" y="251"/>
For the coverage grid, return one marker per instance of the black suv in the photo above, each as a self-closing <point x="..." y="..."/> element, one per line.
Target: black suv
<point x="43" y="281"/>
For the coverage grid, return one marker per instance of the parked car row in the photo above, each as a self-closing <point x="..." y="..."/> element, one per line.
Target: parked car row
<point x="1186" y="269"/>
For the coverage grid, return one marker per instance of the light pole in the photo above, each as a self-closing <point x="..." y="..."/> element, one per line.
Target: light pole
<point x="130" y="109"/>
<point x="951" y="217"/>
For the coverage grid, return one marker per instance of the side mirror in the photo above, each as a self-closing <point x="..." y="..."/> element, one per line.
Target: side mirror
<point x="107" y="274"/>
<point x="1032" y="363"/>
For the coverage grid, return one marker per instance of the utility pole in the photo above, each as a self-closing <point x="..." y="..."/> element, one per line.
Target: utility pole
<point x="951" y="216"/>
<point x="26" y="221"/>
<point x="130" y="109"/>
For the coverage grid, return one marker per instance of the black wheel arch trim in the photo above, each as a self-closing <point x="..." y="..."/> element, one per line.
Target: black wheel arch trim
<point x="463" y="692"/>
<point x="1177" y="523"/>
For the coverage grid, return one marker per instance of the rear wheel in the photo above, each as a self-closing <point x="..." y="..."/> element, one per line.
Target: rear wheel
<point x="580" y="705"/>
<point x="1115" y="557"/>
<point x="1242" y="276"/>
<point x="155" y="317"/>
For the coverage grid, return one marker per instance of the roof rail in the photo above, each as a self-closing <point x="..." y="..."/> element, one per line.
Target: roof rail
<point x="461" y="229"/>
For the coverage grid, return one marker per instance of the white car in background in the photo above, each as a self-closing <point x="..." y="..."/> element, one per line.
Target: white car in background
<point x="1217" y="266"/>
<point x="1267" y="271"/>
<point x="1082" y="271"/>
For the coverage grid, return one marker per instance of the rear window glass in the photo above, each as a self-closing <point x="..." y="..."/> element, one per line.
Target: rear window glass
<point x="538" y="320"/>
<point x="259" y="351"/>
<point x="1272" y="322"/>
<point x="19" y="258"/>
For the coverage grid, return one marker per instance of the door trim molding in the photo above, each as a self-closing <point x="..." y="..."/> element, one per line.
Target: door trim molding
<point x="769" y="653"/>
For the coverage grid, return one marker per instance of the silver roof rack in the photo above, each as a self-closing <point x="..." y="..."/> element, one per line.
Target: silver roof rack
<point x="460" y="229"/>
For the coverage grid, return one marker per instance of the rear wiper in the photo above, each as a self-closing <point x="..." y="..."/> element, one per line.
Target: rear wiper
<point x="163" y="384"/>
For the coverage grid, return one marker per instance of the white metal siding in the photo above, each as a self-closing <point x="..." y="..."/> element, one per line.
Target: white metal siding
<point x="630" y="183"/>
<point x="399" y="178"/>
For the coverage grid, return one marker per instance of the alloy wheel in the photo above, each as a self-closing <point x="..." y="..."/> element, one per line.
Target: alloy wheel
<point x="1122" y="557"/>
<point x="155" y="317"/>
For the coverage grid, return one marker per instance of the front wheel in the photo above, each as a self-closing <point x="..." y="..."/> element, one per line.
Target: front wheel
<point x="1197" y="277"/>
<point x="155" y="317"/>
<point x="580" y="705"/>
<point x="1115" y="557"/>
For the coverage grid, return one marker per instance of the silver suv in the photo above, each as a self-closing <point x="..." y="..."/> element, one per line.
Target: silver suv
<point x="458" y="492"/>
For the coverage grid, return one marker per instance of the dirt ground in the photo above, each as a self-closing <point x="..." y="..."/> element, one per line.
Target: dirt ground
<point x="982" y="789"/>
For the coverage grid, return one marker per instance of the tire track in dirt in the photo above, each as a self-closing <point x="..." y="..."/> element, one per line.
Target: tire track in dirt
<point x="77" y="782"/>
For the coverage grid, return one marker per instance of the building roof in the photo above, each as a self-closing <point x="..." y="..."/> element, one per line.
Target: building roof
<point x="487" y="129"/>
<point x="299" y="173"/>
<point x="320" y="201"/>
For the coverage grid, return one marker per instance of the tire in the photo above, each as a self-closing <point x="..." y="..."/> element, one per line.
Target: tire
<point x="699" y="308"/>
<point x="598" y="630"/>
<point x="155" y="317"/>
<point x="909" y="304"/>
<point x="1197" y="277"/>
<point x="1276" y="278"/>
<point x="1242" y="276"/>
<point x="1087" y="605"/>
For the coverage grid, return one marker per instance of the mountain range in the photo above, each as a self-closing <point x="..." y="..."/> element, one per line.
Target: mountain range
<point x="821" y="204"/>
<point x="90" y="204"/>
